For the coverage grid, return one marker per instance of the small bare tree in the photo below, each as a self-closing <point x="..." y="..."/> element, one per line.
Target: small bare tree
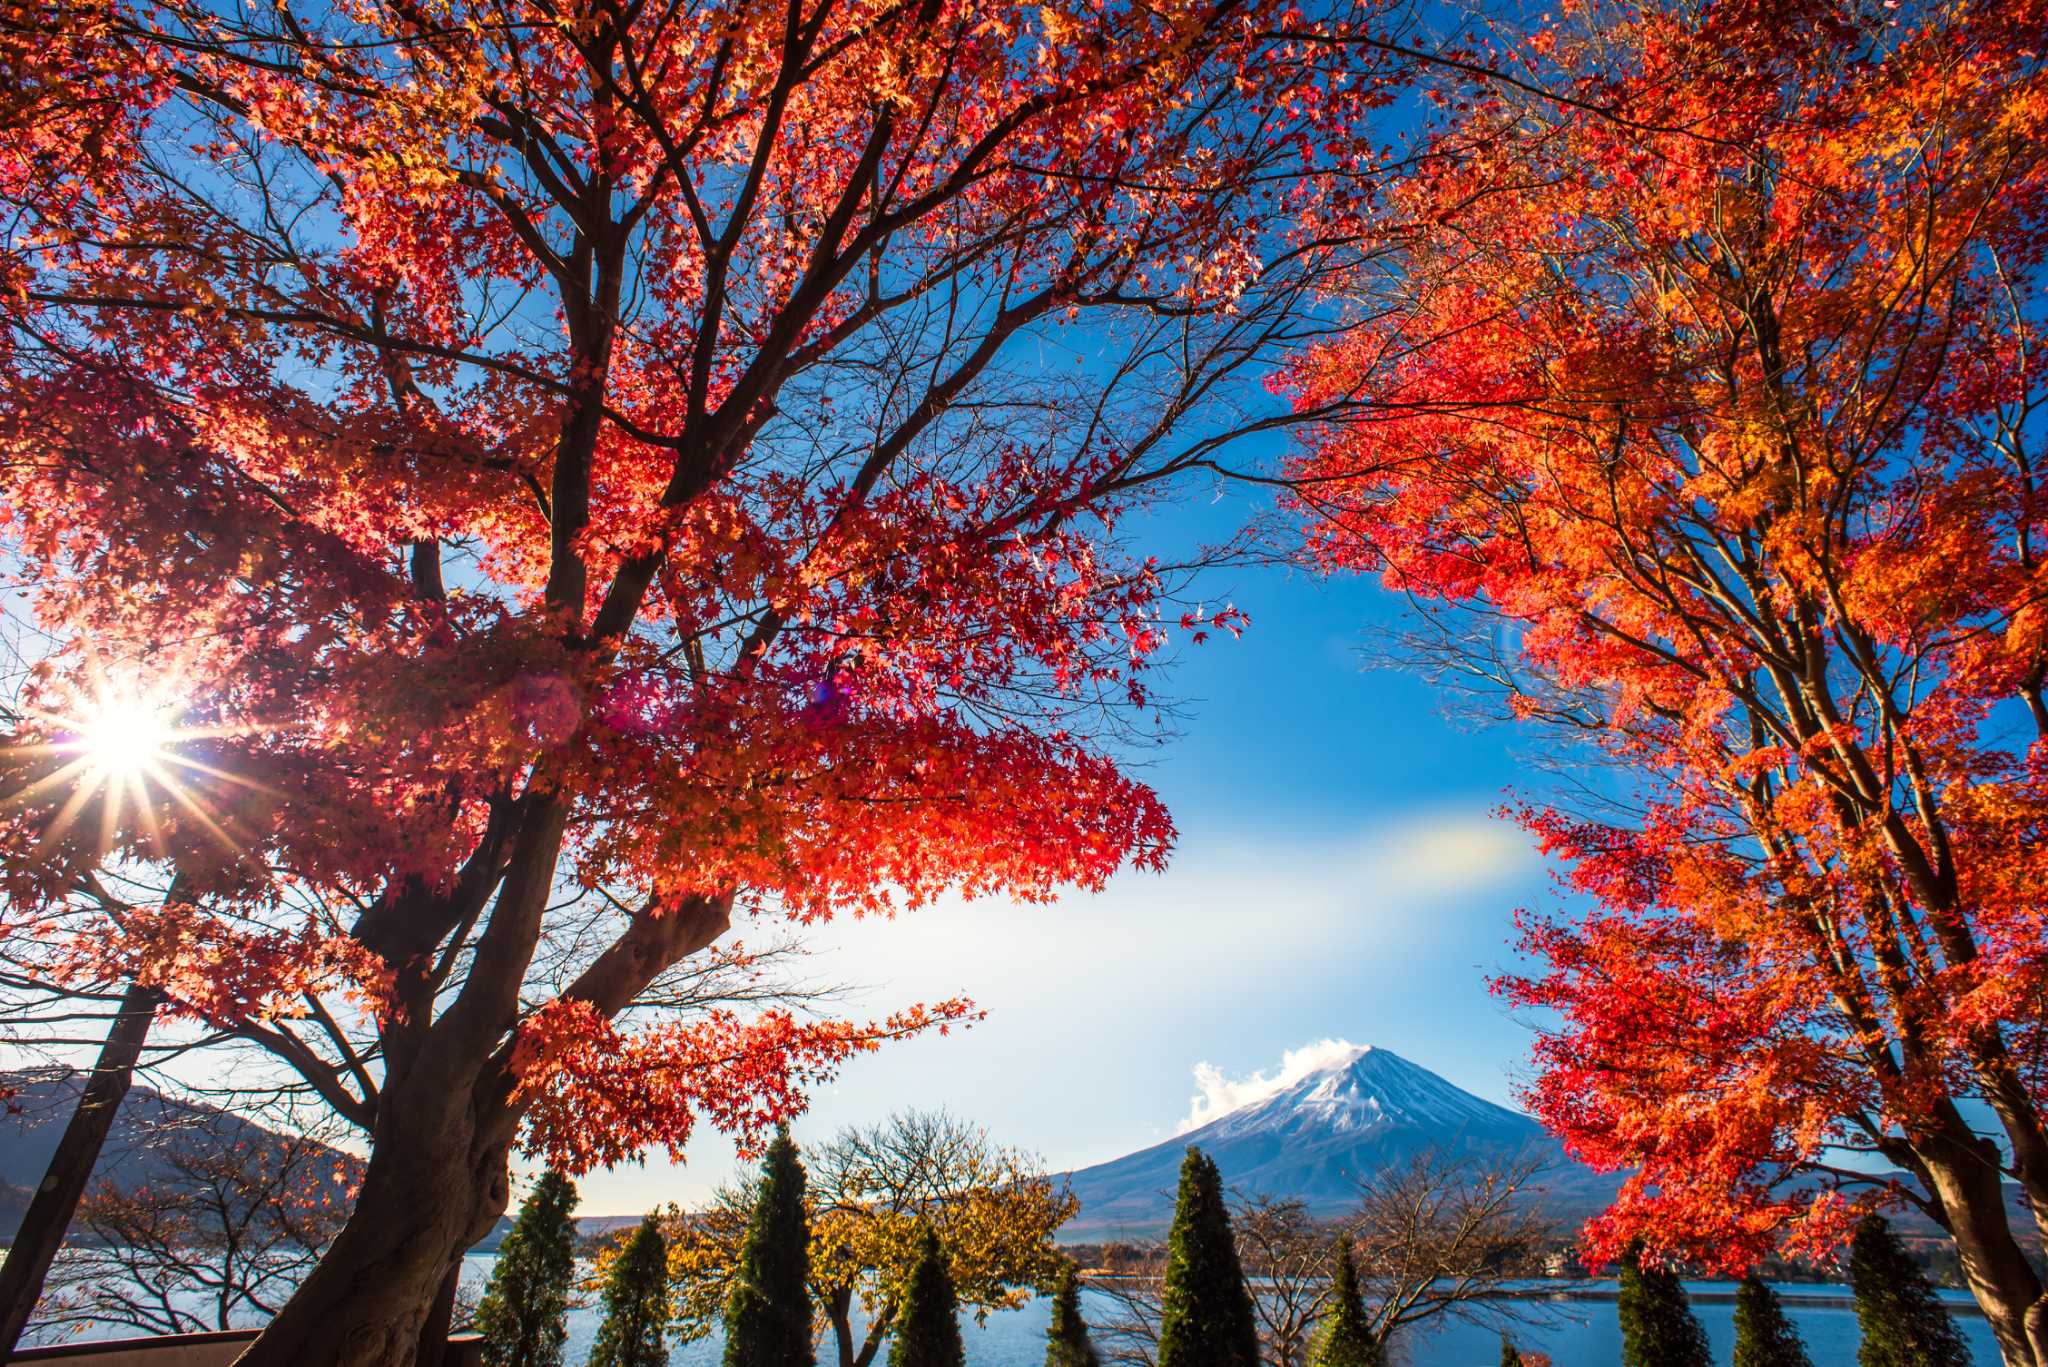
<point x="234" y="1223"/>
<point x="1286" y="1254"/>
<point x="1128" y="1334"/>
<point x="1437" y="1237"/>
<point x="1442" y="1236"/>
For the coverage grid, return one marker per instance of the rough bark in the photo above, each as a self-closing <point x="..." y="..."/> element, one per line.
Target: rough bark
<point x="441" y="1318"/>
<point x="56" y="1198"/>
<point x="438" y="1175"/>
<point x="1970" y="1189"/>
<point x="436" y="1182"/>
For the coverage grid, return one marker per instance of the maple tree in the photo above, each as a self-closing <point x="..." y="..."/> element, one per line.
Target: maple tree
<point x="537" y="482"/>
<point x="1704" y="424"/>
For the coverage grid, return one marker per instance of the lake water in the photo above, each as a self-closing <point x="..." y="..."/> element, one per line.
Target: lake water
<point x="1576" y="1333"/>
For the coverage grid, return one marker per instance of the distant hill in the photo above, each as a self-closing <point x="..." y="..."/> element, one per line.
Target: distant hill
<point x="1314" y="1139"/>
<point x="148" y="1125"/>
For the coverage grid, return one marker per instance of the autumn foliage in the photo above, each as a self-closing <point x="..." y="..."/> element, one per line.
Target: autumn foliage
<point x="1705" y="425"/>
<point x="566" y="478"/>
<point x="872" y="1195"/>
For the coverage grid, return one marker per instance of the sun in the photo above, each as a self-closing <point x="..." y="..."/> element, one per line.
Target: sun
<point x="127" y="738"/>
<point x="126" y="753"/>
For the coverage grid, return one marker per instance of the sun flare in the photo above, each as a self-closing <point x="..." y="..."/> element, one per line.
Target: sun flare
<point x="125" y="756"/>
<point x="127" y="737"/>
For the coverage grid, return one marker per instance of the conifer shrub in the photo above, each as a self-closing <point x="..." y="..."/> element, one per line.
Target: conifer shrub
<point x="1904" y="1323"/>
<point x="1066" y="1338"/>
<point x="1658" y="1328"/>
<point x="1345" y="1338"/>
<point x="1764" y="1337"/>
<point x="1206" y="1319"/>
<point x="524" y="1314"/>
<point x="768" y="1313"/>
<point x="635" y="1328"/>
<point x="928" y="1326"/>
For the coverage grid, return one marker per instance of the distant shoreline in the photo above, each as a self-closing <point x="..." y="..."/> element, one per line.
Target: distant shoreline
<point x="1824" y="1296"/>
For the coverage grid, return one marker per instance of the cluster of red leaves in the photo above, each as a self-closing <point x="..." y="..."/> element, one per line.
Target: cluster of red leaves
<point x="595" y="1094"/>
<point x="1710" y="403"/>
<point x="216" y="971"/>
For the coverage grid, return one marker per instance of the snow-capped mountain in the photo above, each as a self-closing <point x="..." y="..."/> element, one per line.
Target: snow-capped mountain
<point x="1318" y="1134"/>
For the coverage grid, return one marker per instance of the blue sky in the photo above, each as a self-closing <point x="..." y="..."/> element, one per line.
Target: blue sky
<point x="1339" y="875"/>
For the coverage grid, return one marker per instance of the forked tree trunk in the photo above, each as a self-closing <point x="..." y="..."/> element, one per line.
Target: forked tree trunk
<point x="438" y="1176"/>
<point x="56" y="1198"/>
<point x="436" y="1181"/>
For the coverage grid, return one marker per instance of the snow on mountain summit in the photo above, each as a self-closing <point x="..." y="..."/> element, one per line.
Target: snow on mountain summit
<point x="1332" y="1114"/>
<point x="1372" y="1090"/>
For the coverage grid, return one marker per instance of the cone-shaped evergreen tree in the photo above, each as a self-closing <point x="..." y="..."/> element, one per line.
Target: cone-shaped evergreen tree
<point x="1510" y="1356"/>
<point x="524" y="1313"/>
<point x="928" y="1326"/>
<point x="1657" y="1324"/>
<point x="1206" y="1320"/>
<point x="1066" y="1339"/>
<point x="1763" y="1336"/>
<point x="768" y="1314"/>
<point x="1903" y="1322"/>
<point x="634" y="1332"/>
<point x="1344" y="1339"/>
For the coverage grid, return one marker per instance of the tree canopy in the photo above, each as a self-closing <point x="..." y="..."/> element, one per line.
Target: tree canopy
<point x="1701" y="424"/>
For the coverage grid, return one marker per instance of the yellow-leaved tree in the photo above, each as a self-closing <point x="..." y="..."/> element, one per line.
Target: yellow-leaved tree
<point x="870" y="1193"/>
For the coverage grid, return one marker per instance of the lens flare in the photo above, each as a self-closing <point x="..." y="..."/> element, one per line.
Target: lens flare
<point x="127" y="754"/>
<point x="127" y="738"/>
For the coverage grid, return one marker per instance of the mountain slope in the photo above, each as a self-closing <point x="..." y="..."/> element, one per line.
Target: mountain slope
<point x="1316" y="1137"/>
<point x="147" y="1125"/>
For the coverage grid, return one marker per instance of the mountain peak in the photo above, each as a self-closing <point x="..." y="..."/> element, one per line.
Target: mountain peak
<point x="1370" y="1090"/>
<point x="1332" y="1115"/>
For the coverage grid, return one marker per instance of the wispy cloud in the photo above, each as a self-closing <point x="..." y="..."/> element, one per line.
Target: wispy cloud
<point x="1217" y="1095"/>
<point x="1444" y="853"/>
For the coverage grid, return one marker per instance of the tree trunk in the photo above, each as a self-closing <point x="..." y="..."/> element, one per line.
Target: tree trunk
<point x="440" y="1319"/>
<point x="56" y="1198"/>
<point x="1971" y="1191"/>
<point x="436" y="1182"/>
<point x="840" y="1312"/>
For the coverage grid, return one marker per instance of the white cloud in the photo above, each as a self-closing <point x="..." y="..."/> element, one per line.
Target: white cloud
<point x="1217" y="1095"/>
